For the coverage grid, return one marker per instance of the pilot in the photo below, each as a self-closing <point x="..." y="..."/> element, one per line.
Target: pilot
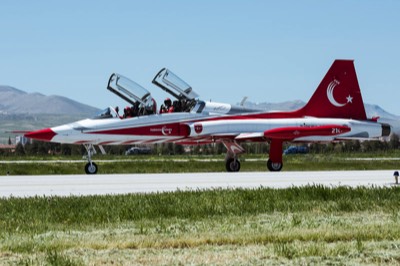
<point x="127" y="112"/>
<point x="135" y="109"/>
<point x="167" y="106"/>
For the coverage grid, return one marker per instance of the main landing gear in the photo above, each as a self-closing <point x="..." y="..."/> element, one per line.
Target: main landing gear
<point x="232" y="163"/>
<point x="274" y="163"/>
<point x="274" y="167"/>
<point x="90" y="168"/>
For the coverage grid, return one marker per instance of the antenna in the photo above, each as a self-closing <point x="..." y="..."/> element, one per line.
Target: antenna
<point x="243" y="100"/>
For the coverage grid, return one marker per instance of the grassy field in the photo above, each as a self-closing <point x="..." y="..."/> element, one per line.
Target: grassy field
<point x="309" y="225"/>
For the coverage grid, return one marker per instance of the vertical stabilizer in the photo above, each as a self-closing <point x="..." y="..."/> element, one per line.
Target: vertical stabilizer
<point x="338" y="95"/>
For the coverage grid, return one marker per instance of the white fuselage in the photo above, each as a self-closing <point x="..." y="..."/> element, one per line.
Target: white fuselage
<point x="168" y="128"/>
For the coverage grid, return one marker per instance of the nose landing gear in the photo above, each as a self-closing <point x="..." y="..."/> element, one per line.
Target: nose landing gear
<point x="90" y="168"/>
<point x="232" y="165"/>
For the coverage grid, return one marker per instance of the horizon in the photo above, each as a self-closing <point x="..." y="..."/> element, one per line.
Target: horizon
<point x="269" y="52"/>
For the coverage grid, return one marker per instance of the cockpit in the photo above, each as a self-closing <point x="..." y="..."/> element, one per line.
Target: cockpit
<point x="184" y="98"/>
<point x="141" y="101"/>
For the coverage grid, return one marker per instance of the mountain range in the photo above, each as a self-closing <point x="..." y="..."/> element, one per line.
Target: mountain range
<point x="24" y="111"/>
<point x="14" y="101"/>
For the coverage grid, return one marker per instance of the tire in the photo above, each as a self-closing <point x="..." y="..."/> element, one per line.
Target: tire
<point x="232" y="165"/>
<point x="274" y="167"/>
<point x="91" y="168"/>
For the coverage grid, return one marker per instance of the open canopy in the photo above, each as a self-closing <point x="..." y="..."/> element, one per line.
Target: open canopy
<point x="128" y="90"/>
<point x="175" y="86"/>
<point x="140" y="98"/>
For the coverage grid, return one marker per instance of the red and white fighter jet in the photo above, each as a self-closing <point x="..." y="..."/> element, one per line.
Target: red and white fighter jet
<point x="334" y="112"/>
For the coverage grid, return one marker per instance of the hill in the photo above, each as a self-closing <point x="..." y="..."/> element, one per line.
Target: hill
<point x="14" y="101"/>
<point x="20" y="110"/>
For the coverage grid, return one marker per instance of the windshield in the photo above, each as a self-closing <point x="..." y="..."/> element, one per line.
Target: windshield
<point x="198" y="108"/>
<point x="175" y="86"/>
<point x="109" y="112"/>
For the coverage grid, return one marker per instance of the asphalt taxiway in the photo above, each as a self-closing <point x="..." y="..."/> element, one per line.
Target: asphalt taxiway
<point x="67" y="185"/>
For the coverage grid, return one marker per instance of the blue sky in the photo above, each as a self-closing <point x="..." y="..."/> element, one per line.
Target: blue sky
<point x="270" y="51"/>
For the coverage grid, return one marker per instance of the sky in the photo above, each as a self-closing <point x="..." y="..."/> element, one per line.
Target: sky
<point x="269" y="51"/>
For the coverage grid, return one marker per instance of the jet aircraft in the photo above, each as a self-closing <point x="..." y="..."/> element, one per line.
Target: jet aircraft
<point x="335" y="112"/>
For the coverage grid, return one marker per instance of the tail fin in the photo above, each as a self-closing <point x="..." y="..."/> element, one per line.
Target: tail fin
<point x="338" y="95"/>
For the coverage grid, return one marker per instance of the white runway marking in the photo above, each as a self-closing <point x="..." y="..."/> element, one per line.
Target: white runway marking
<point x="67" y="185"/>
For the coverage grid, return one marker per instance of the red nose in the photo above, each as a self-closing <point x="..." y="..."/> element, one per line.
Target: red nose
<point x="45" y="134"/>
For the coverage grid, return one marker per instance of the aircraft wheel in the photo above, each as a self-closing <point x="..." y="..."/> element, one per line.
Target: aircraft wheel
<point x="232" y="165"/>
<point x="274" y="167"/>
<point x="91" y="168"/>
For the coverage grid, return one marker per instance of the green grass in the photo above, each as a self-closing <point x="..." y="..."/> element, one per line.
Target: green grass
<point x="313" y="224"/>
<point x="307" y="225"/>
<point x="36" y="214"/>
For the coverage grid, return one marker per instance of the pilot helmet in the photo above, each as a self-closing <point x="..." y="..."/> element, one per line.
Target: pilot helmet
<point x="167" y="101"/>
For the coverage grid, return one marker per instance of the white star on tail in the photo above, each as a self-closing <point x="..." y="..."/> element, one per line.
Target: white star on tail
<point x="349" y="99"/>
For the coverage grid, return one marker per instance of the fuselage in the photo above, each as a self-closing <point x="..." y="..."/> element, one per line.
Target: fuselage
<point x="186" y="127"/>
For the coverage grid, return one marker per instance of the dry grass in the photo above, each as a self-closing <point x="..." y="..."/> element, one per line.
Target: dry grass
<point x="276" y="238"/>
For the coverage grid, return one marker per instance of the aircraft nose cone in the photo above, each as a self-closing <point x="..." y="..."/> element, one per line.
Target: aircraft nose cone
<point x="45" y="134"/>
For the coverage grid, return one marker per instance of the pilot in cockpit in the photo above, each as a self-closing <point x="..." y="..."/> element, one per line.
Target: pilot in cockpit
<point x="167" y="107"/>
<point x="135" y="109"/>
<point x="127" y="112"/>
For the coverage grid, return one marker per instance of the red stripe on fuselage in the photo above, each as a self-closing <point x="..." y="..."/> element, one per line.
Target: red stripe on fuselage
<point x="172" y="129"/>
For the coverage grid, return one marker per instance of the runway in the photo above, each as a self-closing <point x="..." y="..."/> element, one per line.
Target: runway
<point x="68" y="185"/>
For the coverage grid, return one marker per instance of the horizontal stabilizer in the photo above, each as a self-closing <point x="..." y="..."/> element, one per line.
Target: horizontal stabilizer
<point x="17" y="131"/>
